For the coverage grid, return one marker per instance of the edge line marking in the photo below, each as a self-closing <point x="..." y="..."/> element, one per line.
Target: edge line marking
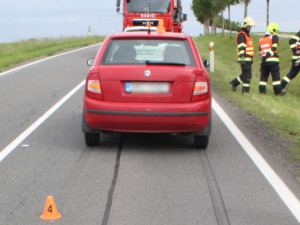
<point x="286" y="195"/>
<point x="9" y="148"/>
<point x="45" y="59"/>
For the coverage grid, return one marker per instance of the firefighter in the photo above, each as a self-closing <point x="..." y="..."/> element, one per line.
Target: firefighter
<point x="268" y="46"/>
<point x="245" y="53"/>
<point x="295" y="47"/>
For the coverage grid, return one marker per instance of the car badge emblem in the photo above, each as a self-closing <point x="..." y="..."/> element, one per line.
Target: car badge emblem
<point x="147" y="73"/>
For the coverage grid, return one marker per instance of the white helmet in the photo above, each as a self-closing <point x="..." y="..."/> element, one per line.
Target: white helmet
<point x="248" y="21"/>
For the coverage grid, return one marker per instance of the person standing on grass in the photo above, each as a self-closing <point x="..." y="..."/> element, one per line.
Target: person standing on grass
<point x="268" y="46"/>
<point x="245" y="55"/>
<point x="295" y="47"/>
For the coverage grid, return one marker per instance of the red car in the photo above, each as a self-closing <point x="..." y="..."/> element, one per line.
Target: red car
<point x="147" y="82"/>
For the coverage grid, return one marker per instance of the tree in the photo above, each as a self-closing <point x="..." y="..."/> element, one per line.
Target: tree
<point x="229" y="3"/>
<point x="268" y="7"/>
<point x="203" y="12"/>
<point x="217" y="7"/>
<point x="207" y="12"/>
<point x="246" y="2"/>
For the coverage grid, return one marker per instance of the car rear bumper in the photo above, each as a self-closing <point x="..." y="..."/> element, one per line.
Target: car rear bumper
<point x="147" y="117"/>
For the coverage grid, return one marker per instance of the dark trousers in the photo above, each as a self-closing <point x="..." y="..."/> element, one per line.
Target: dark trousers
<point x="265" y="69"/>
<point x="245" y="77"/>
<point x="291" y="75"/>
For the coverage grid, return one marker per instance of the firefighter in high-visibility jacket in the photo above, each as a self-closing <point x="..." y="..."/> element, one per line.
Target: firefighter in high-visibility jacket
<point x="245" y="53"/>
<point x="295" y="47"/>
<point x="268" y="46"/>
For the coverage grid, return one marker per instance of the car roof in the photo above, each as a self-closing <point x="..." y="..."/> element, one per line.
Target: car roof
<point x="140" y="28"/>
<point x="151" y="35"/>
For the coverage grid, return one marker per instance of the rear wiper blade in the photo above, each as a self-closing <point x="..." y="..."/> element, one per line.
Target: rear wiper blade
<point x="148" y="62"/>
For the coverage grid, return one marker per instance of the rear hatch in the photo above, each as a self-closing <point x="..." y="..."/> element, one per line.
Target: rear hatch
<point x="147" y="83"/>
<point x="151" y="69"/>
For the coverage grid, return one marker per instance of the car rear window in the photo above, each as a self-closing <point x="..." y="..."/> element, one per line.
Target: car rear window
<point x="145" y="51"/>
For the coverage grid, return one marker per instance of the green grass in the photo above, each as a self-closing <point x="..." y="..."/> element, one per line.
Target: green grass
<point x="280" y="113"/>
<point x="14" y="53"/>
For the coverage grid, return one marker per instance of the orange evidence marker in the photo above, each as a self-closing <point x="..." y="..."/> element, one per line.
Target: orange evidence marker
<point x="50" y="210"/>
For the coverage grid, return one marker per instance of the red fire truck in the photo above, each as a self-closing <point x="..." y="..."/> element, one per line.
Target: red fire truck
<point x="140" y="12"/>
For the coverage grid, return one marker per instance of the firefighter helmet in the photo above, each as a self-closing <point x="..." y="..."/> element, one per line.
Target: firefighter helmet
<point x="248" y="21"/>
<point x="273" y="28"/>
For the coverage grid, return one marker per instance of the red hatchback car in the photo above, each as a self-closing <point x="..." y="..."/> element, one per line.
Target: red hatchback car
<point x="147" y="82"/>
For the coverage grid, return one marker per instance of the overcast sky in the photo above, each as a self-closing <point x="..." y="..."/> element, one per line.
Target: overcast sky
<point x="25" y="19"/>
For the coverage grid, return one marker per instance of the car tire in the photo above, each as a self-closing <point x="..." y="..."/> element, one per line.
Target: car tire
<point x="92" y="139"/>
<point x="201" y="141"/>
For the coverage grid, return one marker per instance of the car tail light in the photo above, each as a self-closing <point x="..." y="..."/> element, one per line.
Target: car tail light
<point x="93" y="87"/>
<point x="201" y="89"/>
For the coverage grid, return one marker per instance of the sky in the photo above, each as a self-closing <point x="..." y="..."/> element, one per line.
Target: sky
<point x="26" y="19"/>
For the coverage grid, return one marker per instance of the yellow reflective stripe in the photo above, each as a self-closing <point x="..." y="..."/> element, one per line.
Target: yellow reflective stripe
<point x="272" y="59"/>
<point x="286" y="79"/>
<point x="248" y="59"/>
<point x="296" y="38"/>
<point x="271" y="52"/>
<point x="276" y="83"/>
<point x="242" y="45"/>
<point x="293" y="46"/>
<point x="263" y="83"/>
<point x="246" y="85"/>
<point x="241" y="52"/>
<point x="239" y="80"/>
<point x="295" y="57"/>
<point x="275" y="45"/>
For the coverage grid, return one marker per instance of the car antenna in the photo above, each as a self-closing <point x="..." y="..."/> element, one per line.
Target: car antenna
<point x="148" y="23"/>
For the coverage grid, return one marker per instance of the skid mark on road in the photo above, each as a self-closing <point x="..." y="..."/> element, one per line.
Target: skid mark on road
<point x="214" y="190"/>
<point x="113" y="184"/>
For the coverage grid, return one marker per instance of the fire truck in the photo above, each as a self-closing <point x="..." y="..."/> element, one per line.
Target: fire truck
<point x="143" y="12"/>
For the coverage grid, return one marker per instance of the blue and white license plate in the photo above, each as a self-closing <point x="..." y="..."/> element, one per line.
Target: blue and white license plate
<point x="147" y="87"/>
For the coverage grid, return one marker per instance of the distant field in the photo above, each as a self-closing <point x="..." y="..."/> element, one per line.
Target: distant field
<point x="14" y="53"/>
<point x="280" y="113"/>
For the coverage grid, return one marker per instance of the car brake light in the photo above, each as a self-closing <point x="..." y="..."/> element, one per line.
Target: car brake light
<point x="93" y="87"/>
<point x="200" y="89"/>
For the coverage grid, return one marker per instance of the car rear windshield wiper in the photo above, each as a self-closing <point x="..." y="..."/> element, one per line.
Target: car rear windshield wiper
<point x="148" y="62"/>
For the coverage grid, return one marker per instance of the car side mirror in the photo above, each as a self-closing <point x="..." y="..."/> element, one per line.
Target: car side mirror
<point x="90" y="61"/>
<point x="206" y="62"/>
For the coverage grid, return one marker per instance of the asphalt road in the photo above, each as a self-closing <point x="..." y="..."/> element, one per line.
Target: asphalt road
<point x="131" y="179"/>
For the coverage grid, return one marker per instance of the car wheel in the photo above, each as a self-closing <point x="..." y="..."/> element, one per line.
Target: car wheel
<point x="92" y="139"/>
<point x="201" y="141"/>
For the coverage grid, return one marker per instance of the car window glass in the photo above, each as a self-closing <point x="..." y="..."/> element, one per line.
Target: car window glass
<point x="146" y="6"/>
<point x="141" y="51"/>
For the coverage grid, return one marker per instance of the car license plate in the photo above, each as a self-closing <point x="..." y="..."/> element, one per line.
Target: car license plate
<point x="147" y="87"/>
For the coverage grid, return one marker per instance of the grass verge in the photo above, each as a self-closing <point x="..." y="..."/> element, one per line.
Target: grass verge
<point x="280" y="113"/>
<point x="14" y="53"/>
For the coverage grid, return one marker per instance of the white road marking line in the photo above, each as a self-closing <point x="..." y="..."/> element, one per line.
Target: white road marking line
<point x="45" y="59"/>
<point x="9" y="148"/>
<point x="279" y="186"/>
